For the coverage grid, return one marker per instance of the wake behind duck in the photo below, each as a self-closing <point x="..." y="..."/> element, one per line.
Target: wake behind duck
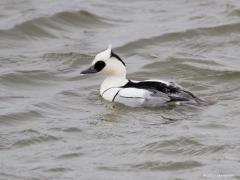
<point x="149" y="93"/>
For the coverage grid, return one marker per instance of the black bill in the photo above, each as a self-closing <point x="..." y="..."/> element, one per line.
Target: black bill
<point x="89" y="70"/>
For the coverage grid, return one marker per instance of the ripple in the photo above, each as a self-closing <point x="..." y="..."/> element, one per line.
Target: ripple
<point x="12" y="118"/>
<point x="9" y="176"/>
<point x="54" y="67"/>
<point x="193" y="68"/>
<point x="42" y="27"/>
<point x="34" y="140"/>
<point x="79" y="18"/>
<point x="69" y="61"/>
<point x="25" y="138"/>
<point x="155" y="166"/>
<point x="28" y="78"/>
<point x="72" y="130"/>
<point x="183" y="35"/>
<point x="166" y="166"/>
<point x="235" y="12"/>
<point x="70" y="155"/>
<point x="59" y="169"/>
<point x="181" y="145"/>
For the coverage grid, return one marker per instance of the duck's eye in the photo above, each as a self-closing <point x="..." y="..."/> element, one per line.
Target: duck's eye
<point x="99" y="65"/>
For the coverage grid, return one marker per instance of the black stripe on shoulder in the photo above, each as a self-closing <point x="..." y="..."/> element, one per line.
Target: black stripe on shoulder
<point x="117" y="57"/>
<point x="116" y="95"/>
<point x="152" y="85"/>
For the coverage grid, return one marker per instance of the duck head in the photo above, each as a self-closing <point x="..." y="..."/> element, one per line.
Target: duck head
<point x="108" y="63"/>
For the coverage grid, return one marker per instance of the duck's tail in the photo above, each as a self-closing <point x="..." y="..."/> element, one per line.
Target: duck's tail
<point x="199" y="101"/>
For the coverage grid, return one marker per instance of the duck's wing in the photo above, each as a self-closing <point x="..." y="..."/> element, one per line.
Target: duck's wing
<point x="166" y="91"/>
<point x="186" y="97"/>
<point x="156" y="85"/>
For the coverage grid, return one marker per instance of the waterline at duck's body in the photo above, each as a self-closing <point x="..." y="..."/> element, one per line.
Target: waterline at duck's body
<point x="149" y="93"/>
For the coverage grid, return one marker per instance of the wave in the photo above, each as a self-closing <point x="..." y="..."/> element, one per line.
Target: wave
<point x="13" y="117"/>
<point x="44" y="26"/>
<point x="192" y="68"/>
<point x="70" y="59"/>
<point x="155" y="166"/>
<point x="35" y="140"/>
<point x="50" y="69"/>
<point x="180" y="35"/>
<point x="235" y="12"/>
<point x="181" y="145"/>
<point x="70" y="155"/>
<point x="30" y="78"/>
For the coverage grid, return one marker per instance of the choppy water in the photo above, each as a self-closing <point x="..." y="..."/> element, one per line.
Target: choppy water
<point x="54" y="125"/>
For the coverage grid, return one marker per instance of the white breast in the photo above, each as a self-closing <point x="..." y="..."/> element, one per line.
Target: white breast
<point x="111" y="86"/>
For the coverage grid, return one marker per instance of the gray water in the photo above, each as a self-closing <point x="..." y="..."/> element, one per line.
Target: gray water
<point x="54" y="124"/>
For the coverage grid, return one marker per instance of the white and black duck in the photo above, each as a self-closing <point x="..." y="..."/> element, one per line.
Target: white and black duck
<point x="149" y="93"/>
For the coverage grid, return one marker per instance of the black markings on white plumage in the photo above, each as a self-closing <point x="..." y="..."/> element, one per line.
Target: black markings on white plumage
<point x="173" y="92"/>
<point x="99" y="65"/>
<point x="117" y="57"/>
<point x="116" y="95"/>
<point x="152" y="85"/>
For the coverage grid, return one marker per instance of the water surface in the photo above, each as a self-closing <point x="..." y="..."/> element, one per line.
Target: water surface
<point x="54" y="124"/>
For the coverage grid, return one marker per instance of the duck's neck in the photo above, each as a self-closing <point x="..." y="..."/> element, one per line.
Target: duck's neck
<point x="113" y="82"/>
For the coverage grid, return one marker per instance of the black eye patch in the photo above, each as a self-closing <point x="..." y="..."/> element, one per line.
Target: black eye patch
<point x="99" y="65"/>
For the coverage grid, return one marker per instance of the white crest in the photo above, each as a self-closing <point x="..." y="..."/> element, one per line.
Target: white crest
<point x="104" y="55"/>
<point x="109" y="48"/>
